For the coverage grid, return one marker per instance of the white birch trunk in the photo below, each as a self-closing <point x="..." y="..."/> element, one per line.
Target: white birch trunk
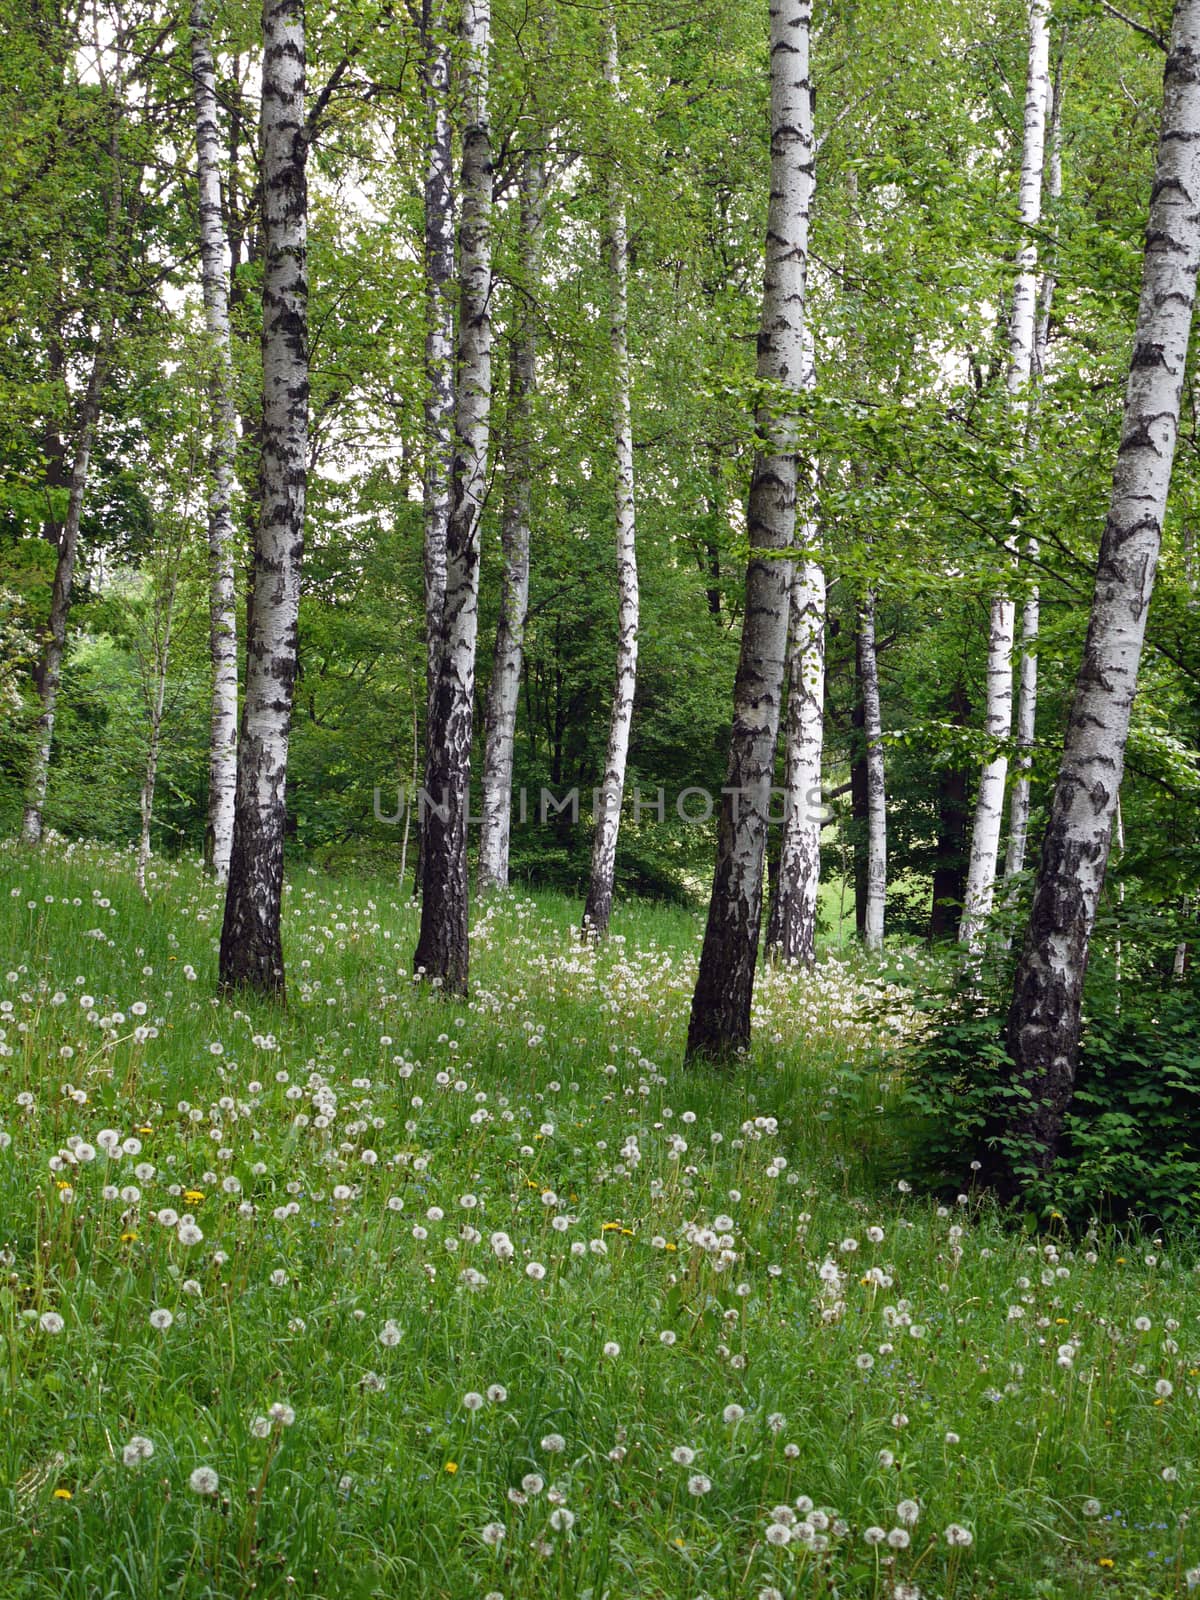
<point x="251" y="942"/>
<point x="508" y="655"/>
<point x="876" y="786"/>
<point x="1044" y="1020"/>
<point x="598" y="906"/>
<point x="443" y="954"/>
<point x="222" y="739"/>
<point x="720" y="1015"/>
<point x="439" y="338"/>
<point x="792" y="926"/>
<point x="989" y="806"/>
<point x="1027" y="689"/>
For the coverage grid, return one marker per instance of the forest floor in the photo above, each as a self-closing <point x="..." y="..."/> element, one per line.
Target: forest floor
<point x="383" y="1296"/>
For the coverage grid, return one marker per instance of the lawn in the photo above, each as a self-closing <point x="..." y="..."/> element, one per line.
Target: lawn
<point x="383" y="1296"/>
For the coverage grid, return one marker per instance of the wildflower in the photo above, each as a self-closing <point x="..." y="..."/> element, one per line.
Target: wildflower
<point x="389" y="1334"/>
<point x="562" y="1520"/>
<point x="161" y="1318"/>
<point x="63" y="1494"/>
<point x="536" y="1271"/>
<point x="497" y="1393"/>
<point x="612" y="1349"/>
<point x="733" y="1414"/>
<point x="682" y="1455"/>
<point x="492" y="1533"/>
<point x="698" y="1484"/>
<point x="554" y="1444"/>
<point x="204" y="1480"/>
<point x="260" y="1428"/>
<point x="898" y="1539"/>
<point x="137" y="1450"/>
<point x="533" y="1483"/>
<point x="451" y="1467"/>
<point x="778" y="1533"/>
<point x="472" y="1401"/>
<point x="907" y="1512"/>
<point x="874" y="1535"/>
<point x="51" y="1322"/>
<point x="959" y="1537"/>
<point x="282" y="1413"/>
<point x="1091" y="1508"/>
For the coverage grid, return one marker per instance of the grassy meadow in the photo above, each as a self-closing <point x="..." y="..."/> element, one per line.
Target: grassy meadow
<point x="382" y="1296"/>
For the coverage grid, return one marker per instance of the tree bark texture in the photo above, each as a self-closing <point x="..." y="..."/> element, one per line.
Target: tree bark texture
<point x="989" y="805"/>
<point x="223" y="723"/>
<point x="1044" y="1019"/>
<point x="598" y="906"/>
<point x="442" y="953"/>
<point x="251" y="952"/>
<point x="720" y="1016"/>
<point x="508" y="654"/>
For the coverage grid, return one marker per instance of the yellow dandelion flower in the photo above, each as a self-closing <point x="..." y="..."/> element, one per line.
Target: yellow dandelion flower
<point x="63" y="1494"/>
<point x="610" y="1227"/>
<point x="129" y="1238"/>
<point x="193" y="1196"/>
<point x="1106" y="1562"/>
<point x="451" y="1466"/>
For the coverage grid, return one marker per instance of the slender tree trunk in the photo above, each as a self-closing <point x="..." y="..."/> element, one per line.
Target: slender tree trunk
<point x="48" y="675"/>
<point x="442" y="953"/>
<point x="598" y="906"/>
<point x="155" y="702"/>
<point x="876" y="787"/>
<point x="720" y="1015"/>
<point x="222" y="738"/>
<point x="989" y="806"/>
<point x="439" y="352"/>
<point x="950" y="864"/>
<point x="1044" y="1020"/>
<point x="1027" y="690"/>
<point x="792" y="924"/>
<point x="505" y="686"/>
<point x="251" y="941"/>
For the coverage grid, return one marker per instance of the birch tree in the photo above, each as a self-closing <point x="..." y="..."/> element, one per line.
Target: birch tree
<point x="868" y="671"/>
<point x="251" y="951"/>
<point x="720" y="1014"/>
<point x="222" y="745"/>
<point x="1044" y="1019"/>
<point x="1027" y="685"/>
<point x="989" y="805"/>
<point x="792" y="925"/>
<point x="439" y="342"/>
<point x="442" y="953"/>
<point x="598" y="906"/>
<point x="507" y="657"/>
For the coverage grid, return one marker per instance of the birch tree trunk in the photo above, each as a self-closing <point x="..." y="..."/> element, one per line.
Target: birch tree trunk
<point x="1027" y="690"/>
<point x="439" y="345"/>
<point x="1044" y="1020"/>
<point x="792" y="924"/>
<point x="48" y="675"/>
<point x="251" y="944"/>
<point x="442" y="953"/>
<point x="223" y="731"/>
<point x="598" y="907"/>
<point x="720" y="1015"/>
<point x="507" y="657"/>
<point x="876" y="786"/>
<point x="989" y="806"/>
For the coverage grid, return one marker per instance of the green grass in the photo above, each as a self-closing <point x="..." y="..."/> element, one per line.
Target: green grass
<point x="525" y="1101"/>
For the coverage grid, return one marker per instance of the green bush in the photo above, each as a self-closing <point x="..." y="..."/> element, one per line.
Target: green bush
<point x="1131" y="1144"/>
